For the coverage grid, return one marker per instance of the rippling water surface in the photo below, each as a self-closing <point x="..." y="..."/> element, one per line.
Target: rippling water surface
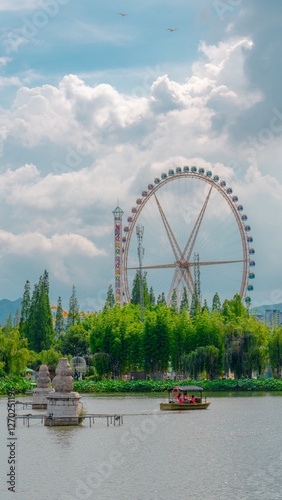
<point x="233" y="450"/>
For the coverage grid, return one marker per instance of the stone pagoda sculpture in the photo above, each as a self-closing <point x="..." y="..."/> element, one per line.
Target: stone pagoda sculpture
<point x="42" y="389"/>
<point x="62" y="404"/>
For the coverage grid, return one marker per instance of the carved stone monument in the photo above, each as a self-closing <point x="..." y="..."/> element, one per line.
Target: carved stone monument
<point x="62" y="405"/>
<point x="42" y="389"/>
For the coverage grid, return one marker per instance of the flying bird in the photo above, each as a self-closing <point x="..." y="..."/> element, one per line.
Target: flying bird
<point x="121" y="13"/>
<point x="172" y="29"/>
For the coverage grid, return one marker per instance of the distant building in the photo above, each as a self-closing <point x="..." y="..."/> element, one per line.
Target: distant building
<point x="273" y="317"/>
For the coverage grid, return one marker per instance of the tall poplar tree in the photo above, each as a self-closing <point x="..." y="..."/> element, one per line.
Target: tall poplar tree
<point x="110" y="300"/>
<point x="36" y="322"/>
<point x="184" y="300"/>
<point x="40" y="332"/>
<point x="17" y="318"/>
<point x="26" y="303"/>
<point x="174" y="301"/>
<point x="161" y="299"/>
<point x="59" y="319"/>
<point x="216" y="305"/>
<point x="152" y="297"/>
<point x="73" y="313"/>
<point x="135" y="294"/>
<point x="195" y="304"/>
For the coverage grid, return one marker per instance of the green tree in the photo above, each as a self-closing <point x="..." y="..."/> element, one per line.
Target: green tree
<point x="25" y="310"/>
<point x="135" y="294"/>
<point x="17" y="318"/>
<point x="8" y="324"/>
<point x="110" y="300"/>
<point x="174" y="301"/>
<point x="152" y="297"/>
<point x="213" y="361"/>
<point x="133" y="340"/>
<point x="40" y="332"/>
<point x="206" y="359"/>
<point x="161" y="299"/>
<point x="50" y="357"/>
<point x="195" y="304"/>
<point x="14" y="354"/>
<point x="73" y="313"/>
<point x="59" y="319"/>
<point x="216" y="305"/>
<point x="205" y="306"/>
<point x="45" y="280"/>
<point x="36" y="323"/>
<point x="102" y="363"/>
<point x="275" y="351"/>
<point x="184" y="301"/>
<point x="180" y="329"/>
<point x="245" y="346"/>
<point x="196" y="362"/>
<point x="75" y="341"/>
<point x="157" y="337"/>
<point x="110" y="331"/>
<point x="234" y="309"/>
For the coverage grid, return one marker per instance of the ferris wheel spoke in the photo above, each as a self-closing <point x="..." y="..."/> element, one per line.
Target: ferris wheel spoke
<point x="181" y="275"/>
<point x="171" y="288"/>
<point x="219" y="262"/>
<point x="174" y="245"/>
<point x="192" y="238"/>
<point x="155" y="267"/>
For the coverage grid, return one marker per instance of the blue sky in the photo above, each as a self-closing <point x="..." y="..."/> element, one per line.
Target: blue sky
<point x="94" y="105"/>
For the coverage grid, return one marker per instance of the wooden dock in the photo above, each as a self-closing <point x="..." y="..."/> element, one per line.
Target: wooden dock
<point x="116" y="419"/>
<point x="24" y="404"/>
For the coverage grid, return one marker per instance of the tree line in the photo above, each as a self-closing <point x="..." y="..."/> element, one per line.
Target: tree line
<point x="190" y="341"/>
<point x="224" y="339"/>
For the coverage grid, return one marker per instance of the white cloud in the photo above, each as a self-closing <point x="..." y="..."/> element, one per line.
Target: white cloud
<point x="7" y="5"/>
<point x="8" y="81"/>
<point x="112" y="145"/>
<point x="67" y="114"/>
<point x="4" y="60"/>
<point x="61" y="244"/>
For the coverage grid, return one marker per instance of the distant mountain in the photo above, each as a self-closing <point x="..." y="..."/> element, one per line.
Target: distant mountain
<point x="9" y="305"/>
<point x="262" y="309"/>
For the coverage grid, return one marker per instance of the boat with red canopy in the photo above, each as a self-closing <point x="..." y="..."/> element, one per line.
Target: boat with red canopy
<point x="185" y="397"/>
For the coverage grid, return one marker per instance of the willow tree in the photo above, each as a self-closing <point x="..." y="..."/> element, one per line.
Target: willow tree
<point x="246" y="342"/>
<point x="275" y="351"/>
<point x="14" y="355"/>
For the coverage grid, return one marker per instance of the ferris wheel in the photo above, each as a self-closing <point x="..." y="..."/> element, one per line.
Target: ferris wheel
<point x="196" y="236"/>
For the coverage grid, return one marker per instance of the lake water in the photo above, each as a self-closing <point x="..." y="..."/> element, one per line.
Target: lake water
<point x="232" y="450"/>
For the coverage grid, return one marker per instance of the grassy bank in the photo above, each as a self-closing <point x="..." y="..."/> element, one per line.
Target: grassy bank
<point x="160" y="386"/>
<point x="21" y="385"/>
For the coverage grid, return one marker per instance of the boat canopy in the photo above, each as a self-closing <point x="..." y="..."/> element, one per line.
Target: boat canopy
<point x="184" y="388"/>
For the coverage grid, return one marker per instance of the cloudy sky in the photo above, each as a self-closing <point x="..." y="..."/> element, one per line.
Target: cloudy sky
<point x="94" y="105"/>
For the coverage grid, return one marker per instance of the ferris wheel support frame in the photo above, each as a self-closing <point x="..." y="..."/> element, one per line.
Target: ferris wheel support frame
<point x="185" y="264"/>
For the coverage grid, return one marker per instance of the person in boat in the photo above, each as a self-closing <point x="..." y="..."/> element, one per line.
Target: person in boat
<point x="186" y="398"/>
<point x="193" y="400"/>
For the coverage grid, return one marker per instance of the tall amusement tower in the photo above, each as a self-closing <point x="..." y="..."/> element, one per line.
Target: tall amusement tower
<point x="118" y="213"/>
